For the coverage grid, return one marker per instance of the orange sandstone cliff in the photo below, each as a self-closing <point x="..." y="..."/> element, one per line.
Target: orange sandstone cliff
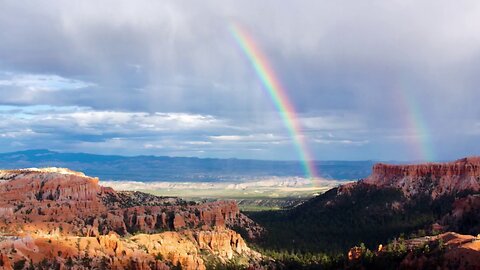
<point x="434" y="179"/>
<point x="54" y="218"/>
<point x="453" y="188"/>
<point x="77" y="205"/>
<point x="457" y="182"/>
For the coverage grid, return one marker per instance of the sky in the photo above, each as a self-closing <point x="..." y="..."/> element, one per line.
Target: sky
<point x="381" y="80"/>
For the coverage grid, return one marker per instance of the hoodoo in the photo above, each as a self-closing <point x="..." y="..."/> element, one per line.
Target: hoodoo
<point x="91" y="221"/>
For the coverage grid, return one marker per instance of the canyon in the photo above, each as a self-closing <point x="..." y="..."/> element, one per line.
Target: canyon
<point x="399" y="200"/>
<point x="56" y="216"/>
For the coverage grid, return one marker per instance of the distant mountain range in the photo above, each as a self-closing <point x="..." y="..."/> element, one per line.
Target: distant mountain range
<point x="192" y="169"/>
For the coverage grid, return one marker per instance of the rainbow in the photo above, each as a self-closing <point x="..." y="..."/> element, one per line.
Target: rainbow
<point x="416" y="125"/>
<point x="278" y="95"/>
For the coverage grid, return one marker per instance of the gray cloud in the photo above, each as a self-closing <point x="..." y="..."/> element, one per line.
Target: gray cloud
<point x="363" y="76"/>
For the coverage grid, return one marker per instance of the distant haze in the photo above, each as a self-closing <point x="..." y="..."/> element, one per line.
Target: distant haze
<point x="183" y="169"/>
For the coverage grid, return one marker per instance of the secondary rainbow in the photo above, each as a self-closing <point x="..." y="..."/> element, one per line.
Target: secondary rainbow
<point x="277" y="93"/>
<point x="415" y="123"/>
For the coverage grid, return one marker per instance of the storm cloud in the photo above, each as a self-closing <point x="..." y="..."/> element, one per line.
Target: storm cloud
<point x="369" y="79"/>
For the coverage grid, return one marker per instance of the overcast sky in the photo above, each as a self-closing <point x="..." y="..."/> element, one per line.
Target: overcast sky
<point x="384" y="80"/>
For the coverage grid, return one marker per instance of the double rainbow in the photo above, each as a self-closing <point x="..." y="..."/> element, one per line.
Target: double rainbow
<point x="416" y="125"/>
<point x="278" y="94"/>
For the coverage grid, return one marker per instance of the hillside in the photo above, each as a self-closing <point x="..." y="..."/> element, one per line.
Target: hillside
<point x="400" y="217"/>
<point x="394" y="200"/>
<point x="443" y="251"/>
<point x="55" y="217"/>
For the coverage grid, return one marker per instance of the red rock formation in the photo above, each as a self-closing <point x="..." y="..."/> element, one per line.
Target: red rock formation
<point x="225" y="243"/>
<point x="460" y="252"/>
<point x="444" y="251"/>
<point x="53" y="196"/>
<point x="354" y="253"/>
<point x="464" y="215"/>
<point x="61" y="215"/>
<point x="51" y="183"/>
<point x="143" y="251"/>
<point x="435" y="179"/>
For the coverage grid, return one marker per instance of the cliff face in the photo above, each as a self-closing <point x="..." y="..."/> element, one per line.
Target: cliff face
<point x="434" y="179"/>
<point x="144" y="251"/>
<point x="44" y="199"/>
<point x="53" y="184"/>
<point x="444" y="251"/>
<point x="43" y="203"/>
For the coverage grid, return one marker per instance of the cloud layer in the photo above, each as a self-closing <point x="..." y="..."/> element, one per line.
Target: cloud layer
<point x="370" y="80"/>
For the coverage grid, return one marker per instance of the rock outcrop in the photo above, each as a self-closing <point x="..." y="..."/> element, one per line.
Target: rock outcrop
<point x="453" y="187"/>
<point x="444" y="251"/>
<point x="45" y="199"/>
<point x="450" y="251"/>
<point x="59" y="217"/>
<point x="143" y="251"/>
<point x="434" y="179"/>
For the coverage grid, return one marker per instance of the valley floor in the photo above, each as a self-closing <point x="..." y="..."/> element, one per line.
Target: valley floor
<point x="273" y="193"/>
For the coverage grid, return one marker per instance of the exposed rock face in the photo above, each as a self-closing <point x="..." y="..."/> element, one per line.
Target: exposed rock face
<point x="38" y="185"/>
<point x="464" y="216"/>
<point x="434" y="179"/>
<point x="51" y="197"/>
<point x="444" y="251"/>
<point x="394" y="200"/>
<point x="354" y="253"/>
<point x="88" y="221"/>
<point x="453" y="185"/>
<point x="143" y="251"/>
<point x="460" y="252"/>
<point x="224" y="243"/>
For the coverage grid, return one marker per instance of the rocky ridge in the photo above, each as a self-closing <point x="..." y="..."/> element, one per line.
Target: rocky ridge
<point x="143" y="251"/>
<point x="444" y="251"/>
<point x="433" y="179"/>
<point x="452" y="186"/>
<point x="39" y="205"/>
<point x="83" y="206"/>
<point x="393" y="200"/>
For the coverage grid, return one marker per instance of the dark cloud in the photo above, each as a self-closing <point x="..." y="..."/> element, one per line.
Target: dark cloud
<point x="369" y="79"/>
